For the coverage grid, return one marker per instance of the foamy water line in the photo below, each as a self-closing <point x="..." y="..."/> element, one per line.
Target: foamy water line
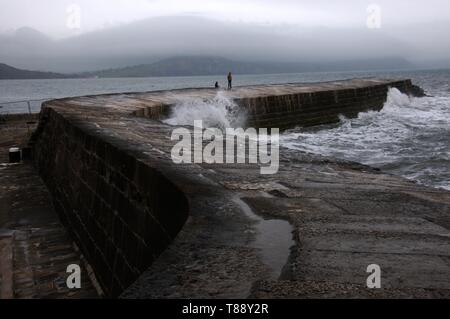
<point x="410" y="137"/>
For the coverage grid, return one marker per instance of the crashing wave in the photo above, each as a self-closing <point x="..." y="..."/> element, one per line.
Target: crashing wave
<point x="221" y="112"/>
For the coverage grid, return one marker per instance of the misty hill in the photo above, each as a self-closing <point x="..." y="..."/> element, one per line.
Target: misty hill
<point x="197" y="65"/>
<point x="10" y="73"/>
<point x="200" y="65"/>
<point x="151" y="40"/>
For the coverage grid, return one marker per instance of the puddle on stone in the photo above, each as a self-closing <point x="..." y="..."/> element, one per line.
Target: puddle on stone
<point x="273" y="239"/>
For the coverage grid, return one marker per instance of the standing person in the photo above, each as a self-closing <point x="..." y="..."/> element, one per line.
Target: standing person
<point x="217" y="86"/>
<point x="230" y="81"/>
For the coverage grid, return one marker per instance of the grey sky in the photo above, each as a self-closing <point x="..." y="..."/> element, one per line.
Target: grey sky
<point x="50" y="16"/>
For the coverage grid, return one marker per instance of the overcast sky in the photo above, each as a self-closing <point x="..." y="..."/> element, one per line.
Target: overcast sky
<point x="51" y="16"/>
<point x="94" y="34"/>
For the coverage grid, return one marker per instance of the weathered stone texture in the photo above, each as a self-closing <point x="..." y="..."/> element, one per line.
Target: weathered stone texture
<point x="291" y="105"/>
<point x="121" y="212"/>
<point x="107" y="164"/>
<point x="35" y="248"/>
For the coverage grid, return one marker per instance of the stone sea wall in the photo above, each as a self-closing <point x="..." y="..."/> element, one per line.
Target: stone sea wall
<point x="317" y="108"/>
<point x="305" y="108"/>
<point x="120" y="212"/>
<point x="106" y="163"/>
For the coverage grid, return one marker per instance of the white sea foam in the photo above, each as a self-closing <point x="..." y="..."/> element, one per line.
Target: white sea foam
<point x="409" y="137"/>
<point x="221" y="112"/>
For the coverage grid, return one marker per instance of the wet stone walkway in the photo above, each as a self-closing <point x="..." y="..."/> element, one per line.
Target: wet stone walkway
<point x="35" y="248"/>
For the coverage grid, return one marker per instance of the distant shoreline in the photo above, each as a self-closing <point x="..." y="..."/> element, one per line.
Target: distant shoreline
<point x="213" y="66"/>
<point x="221" y="75"/>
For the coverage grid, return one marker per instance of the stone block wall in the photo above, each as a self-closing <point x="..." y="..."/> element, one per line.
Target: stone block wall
<point x="304" y="109"/>
<point x="316" y="108"/>
<point x="122" y="213"/>
<point x="155" y="112"/>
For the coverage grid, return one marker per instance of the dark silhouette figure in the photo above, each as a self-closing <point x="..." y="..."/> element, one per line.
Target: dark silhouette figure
<point x="217" y="85"/>
<point x="230" y="81"/>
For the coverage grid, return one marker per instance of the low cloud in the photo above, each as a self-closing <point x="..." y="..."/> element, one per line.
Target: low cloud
<point x="151" y="39"/>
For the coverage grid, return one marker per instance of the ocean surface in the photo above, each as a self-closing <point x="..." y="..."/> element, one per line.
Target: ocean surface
<point x="410" y="137"/>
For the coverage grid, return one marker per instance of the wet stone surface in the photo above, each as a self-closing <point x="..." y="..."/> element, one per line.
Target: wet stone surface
<point x="344" y="216"/>
<point x="35" y="248"/>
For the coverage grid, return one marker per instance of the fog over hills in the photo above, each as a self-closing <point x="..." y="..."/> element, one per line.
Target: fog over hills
<point x="154" y="39"/>
<point x="9" y="72"/>
<point x="204" y="65"/>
